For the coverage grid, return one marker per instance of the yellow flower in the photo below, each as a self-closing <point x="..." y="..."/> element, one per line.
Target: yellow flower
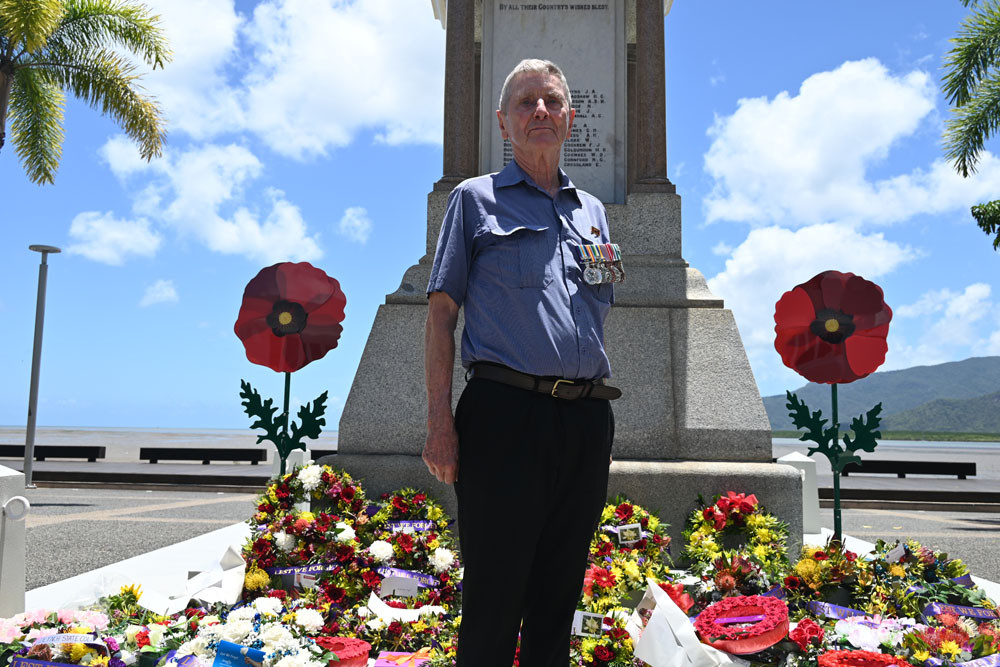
<point x="434" y="513"/>
<point x="77" y="651"/>
<point x="897" y="570"/>
<point x="654" y="523"/>
<point x="100" y="661"/>
<point x="419" y="626"/>
<point x="760" y="552"/>
<point x="308" y="516"/>
<point x="256" y="579"/>
<point x="950" y="648"/>
<point x="132" y="589"/>
<point x="632" y="570"/>
<point x="434" y="544"/>
<point x="80" y="630"/>
<point x="288" y="618"/>
<point x="921" y="656"/>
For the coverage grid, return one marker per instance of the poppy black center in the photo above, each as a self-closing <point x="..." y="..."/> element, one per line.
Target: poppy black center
<point x="287" y="317"/>
<point x="833" y="326"/>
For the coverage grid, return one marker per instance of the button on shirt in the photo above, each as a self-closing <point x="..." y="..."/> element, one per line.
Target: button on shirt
<point x="507" y="251"/>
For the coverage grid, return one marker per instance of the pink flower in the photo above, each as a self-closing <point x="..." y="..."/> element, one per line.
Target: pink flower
<point x="9" y="631"/>
<point x="66" y="615"/>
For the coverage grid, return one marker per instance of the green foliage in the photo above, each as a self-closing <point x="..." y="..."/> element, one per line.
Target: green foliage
<point x="276" y="428"/>
<point x="264" y="412"/>
<point x="865" y="433"/>
<point x="972" y="85"/>
<point x="51" y="46"/>
<point x="988" y="218"/>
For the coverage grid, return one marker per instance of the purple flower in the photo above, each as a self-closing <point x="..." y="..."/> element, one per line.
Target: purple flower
<point x="112" y="644"/>
<point x="116" y="662"/>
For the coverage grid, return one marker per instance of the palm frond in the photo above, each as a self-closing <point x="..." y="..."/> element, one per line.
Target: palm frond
<point x="27" y="24"/>
<point x="95" y="24"/>
<point x="972" y="124"/>
<point x="36" y="114"/>
<point x="106" y="81"/>
<point x="988" y="218"/>
<point x="975" y="53"/>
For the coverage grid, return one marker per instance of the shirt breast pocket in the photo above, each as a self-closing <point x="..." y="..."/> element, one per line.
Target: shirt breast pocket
<point x="522" y="251"/>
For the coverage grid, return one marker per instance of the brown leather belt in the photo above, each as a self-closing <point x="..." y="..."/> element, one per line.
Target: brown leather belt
<point x="558" y="388"/>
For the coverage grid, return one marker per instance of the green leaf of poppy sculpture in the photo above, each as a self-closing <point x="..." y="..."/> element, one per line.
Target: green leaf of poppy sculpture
<point x="290" y="317"/>
<point x="832" y="329"/>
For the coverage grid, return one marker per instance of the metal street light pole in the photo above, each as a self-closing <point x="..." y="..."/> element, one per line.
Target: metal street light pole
<point x="36" y="361"/>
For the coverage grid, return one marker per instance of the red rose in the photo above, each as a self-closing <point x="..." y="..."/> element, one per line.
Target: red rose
<point x="371" y="579"/>
<point x="420" y="497"/>
<point x="395" y="628"/>
<point x="604" y="654"/>
<point x="405" y="542"/>
<point x="278" y="593"/>
<point x="820" y="555"/>
<point x="400" y="504"/>
<point x="142" y="638"/>
<point x="347" y="493"/>
<point x="807" y="633"/>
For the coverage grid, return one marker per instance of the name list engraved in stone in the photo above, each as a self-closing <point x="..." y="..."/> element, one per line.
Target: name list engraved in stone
<point x="586" y="39"/>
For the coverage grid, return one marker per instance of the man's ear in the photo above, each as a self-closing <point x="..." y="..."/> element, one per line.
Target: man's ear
<point x="503" y="130"/>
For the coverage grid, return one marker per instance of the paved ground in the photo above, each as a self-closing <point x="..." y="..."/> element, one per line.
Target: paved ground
<point x="73" y="531"/>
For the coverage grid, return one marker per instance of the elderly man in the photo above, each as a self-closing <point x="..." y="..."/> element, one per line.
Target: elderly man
<point x="529" y="446"/>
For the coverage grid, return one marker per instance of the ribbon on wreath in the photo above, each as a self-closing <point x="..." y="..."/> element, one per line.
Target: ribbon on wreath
<point x="935" y="608"/>
<point x="418" y="525"/>
<point x="302" y="569"/>
<point x="988" y="661"/>
<point x="832" y="610"/>
<point x="964" y="580"/>
<point x="423" y="580"/>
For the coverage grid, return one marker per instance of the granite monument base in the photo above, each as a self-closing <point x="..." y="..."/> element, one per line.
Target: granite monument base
<point x="669" y="487"/>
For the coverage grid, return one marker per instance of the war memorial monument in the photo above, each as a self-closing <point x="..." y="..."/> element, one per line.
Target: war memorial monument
<point x="690" y="421"/>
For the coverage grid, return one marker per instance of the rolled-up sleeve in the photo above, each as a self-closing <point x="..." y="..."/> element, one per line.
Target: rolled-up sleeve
<point x="453" y="257"/>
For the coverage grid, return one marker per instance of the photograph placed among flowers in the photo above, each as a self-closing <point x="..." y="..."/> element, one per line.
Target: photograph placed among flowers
<point x="736" y="523"/>
<point x="618" y="564"/>
<point x="613" y="648"/>
<point x="284" y="632"/>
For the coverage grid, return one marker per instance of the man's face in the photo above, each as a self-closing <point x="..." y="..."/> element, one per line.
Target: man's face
<point x="537" y="118"/>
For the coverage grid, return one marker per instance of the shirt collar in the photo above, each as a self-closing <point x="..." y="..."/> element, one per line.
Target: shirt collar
<point x="512" y="174"/>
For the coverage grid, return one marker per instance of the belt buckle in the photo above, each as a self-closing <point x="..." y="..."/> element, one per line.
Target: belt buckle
<point x="555" y="386"/>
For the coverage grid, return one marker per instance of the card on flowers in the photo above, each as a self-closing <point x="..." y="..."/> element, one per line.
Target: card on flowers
<point x="629" y="534"/>
<point x="233" y="655"/>
<point x="399" y="587"/>
<point x="402" y="659"/>
<point x="587" y="624"/>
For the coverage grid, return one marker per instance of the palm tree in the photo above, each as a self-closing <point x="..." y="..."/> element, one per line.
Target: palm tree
<point x="51" y="46"/>
<point x="972" y="86"/>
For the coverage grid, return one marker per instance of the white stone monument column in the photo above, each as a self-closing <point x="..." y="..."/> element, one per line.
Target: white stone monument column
<point x="13" y="509"/>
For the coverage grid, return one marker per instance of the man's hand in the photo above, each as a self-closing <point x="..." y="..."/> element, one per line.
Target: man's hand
<point x="441" y="451"/>
<point x="441" y="447"/>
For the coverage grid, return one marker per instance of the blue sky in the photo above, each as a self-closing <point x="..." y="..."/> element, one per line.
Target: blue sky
<point x="802" y="137"/>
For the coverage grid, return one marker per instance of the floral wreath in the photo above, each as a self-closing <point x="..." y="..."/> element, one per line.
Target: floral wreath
<point x="747" y="635"/>
<point x="299" y="538"/>
<point x="616" y="570"/>
<point x="333" y="489"/>
<point x="736" y="514"/>
<point x="821" y="570"/>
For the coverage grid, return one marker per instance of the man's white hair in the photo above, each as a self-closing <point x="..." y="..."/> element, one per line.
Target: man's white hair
<point x="533" y="66"/>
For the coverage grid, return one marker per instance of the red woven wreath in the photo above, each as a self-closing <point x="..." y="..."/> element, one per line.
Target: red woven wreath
<point x="742" y="639"/>
<point x="859" y="659"/>
<point x="833" y="328"/>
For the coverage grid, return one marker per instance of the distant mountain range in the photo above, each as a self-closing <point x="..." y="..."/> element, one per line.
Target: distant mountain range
<point x="959" y="396"/>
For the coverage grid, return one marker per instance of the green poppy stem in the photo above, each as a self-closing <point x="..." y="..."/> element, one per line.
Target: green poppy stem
<point x="283" y="450"/>
<point x="836" y="468"/>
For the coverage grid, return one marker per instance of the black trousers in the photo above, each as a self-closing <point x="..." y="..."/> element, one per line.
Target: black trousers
<point x="532" y="481"/>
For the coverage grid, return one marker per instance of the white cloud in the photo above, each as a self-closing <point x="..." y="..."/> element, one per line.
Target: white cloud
<point x="104" y="238"/>
<point x="722" y="249"/>
<point x="192" y="88"/>
<point x="324" y="71"/>
<point x="162" y="291"/>
<point x="201" y="194"/>
<point x="802" y="159"/>
<point x="949" y="324"/>
<point x="773" y="260"/>
<point x="355" y="224"/>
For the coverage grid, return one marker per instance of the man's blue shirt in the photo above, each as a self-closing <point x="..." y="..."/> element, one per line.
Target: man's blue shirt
<point x="507" y="251"/>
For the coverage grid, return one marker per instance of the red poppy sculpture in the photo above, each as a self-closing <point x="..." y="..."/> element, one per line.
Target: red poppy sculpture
<point x="290" y="317"/>
<point x="832" y="329"/>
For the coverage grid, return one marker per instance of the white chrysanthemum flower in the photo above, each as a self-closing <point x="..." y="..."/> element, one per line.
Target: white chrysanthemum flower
<point x="346" y="533"/>
<point x="196" y="647"/>
<point x="237" y="631"/>
<point x="268" y="606"/>
<point x="442" y="559"/>
<point x="380" y="550"/>
<point x="242" y="614"/>
<point x="277" y="637"/>
<point x="311" y="476"/>
<point x="284" y="541"/>
<point x="310" y="619"/>
<point x="376" y="624"/>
